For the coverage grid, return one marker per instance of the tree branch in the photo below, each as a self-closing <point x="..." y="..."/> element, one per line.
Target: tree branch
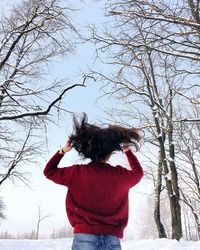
<point x="44" y="112"/>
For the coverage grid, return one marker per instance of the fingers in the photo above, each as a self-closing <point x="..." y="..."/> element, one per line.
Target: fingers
<point x="125" y="146"/>
<point x="69" y="143"/>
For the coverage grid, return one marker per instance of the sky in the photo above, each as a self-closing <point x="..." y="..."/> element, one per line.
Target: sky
<point x="23" y="202"/>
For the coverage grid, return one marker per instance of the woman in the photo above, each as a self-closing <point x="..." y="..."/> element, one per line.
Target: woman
<point x="97" y="197"/>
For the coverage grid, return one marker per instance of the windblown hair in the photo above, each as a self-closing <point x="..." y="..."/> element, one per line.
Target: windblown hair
<point x="98" y="143"/>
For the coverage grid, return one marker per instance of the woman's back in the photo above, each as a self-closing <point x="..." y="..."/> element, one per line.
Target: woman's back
<point x="97" y="197"/>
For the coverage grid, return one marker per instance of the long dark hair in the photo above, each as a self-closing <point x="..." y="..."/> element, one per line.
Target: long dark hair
<point x="98" y="143"/>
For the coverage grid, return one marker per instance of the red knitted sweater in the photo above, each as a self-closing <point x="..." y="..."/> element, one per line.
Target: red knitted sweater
<point x="97" y="197"/>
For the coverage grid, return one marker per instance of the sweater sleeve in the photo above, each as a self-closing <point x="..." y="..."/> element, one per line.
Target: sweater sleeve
<point x="58" y="175"/>
<point x="136" y="168"/>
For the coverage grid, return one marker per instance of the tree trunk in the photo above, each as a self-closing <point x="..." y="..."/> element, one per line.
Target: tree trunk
<point x="160" y="227"/>
<point x="175" y="195"/>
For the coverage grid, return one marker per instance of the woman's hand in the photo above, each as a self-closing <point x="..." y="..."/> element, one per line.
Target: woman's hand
<point x="67" y="147"/>
<point x="125" y="147"/>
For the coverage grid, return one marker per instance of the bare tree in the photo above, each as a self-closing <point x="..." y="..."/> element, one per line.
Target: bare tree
<point x="153" y="48"/>
<point x="33" y="34"/>
<point x="188" y="154"/>
<point x="39" y="220"/>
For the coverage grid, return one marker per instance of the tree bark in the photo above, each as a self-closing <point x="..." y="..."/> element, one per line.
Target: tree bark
<point x="175" y="196"/>
<point x="160" y="227"/>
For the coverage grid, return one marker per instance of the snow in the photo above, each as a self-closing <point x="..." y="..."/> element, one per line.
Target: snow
<point x="168" y="176"/>
<point x="160" y="135"/>
<point x="65" y="244"/>
<point x="154" y="108"/>
<point x="170" y="159"/>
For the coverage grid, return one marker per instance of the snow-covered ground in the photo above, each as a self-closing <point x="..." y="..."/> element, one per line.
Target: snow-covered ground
<point x="65" y="244"/>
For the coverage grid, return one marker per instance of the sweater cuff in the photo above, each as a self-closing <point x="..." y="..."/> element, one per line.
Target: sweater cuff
<point x="58" y="154"/>
<point x="128" y="152"/>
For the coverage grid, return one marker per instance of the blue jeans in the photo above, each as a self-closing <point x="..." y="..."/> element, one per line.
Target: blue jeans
<point x="95" y="242"/>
